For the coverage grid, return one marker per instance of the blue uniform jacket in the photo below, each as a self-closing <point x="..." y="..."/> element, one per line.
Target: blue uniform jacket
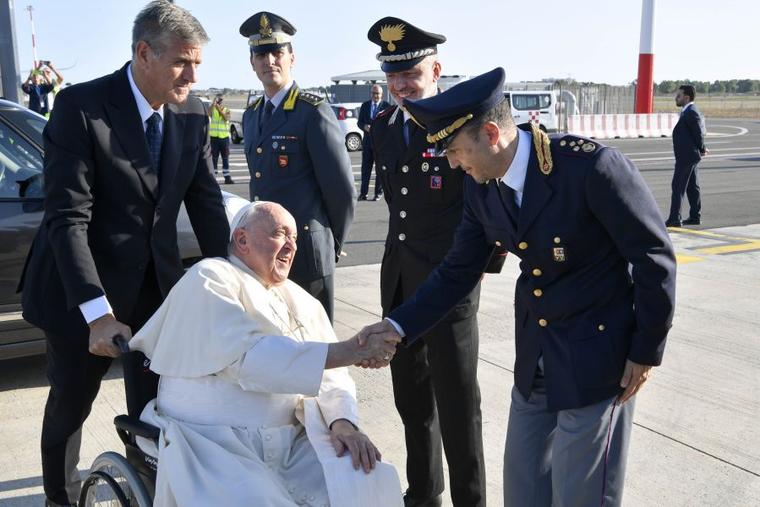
<point x="577" y="302"/>
<point x="299" y="161"/>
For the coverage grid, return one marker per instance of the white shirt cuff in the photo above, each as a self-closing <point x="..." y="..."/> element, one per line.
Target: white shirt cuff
<point x="95" y="308"/>
<point x="396" y="326"/>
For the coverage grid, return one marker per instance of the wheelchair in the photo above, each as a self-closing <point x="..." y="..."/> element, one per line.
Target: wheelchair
<point x="119" y="481"/>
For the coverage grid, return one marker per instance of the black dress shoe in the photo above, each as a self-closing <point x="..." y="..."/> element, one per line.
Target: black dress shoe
<point x="692" y="221"/>
<point x="429" y="502"/>
<point x="228" y="180"/>
<point x="673" y="223"/>
<point x="362" y="198"/>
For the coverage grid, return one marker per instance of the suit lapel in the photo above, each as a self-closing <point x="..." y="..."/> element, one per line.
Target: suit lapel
<point x="127" y="128"/>
<point x="536" y="194"/>
<point x="171" y="147"/>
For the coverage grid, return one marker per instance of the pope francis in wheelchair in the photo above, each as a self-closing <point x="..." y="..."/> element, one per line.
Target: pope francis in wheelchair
<point x="255" y="406"/>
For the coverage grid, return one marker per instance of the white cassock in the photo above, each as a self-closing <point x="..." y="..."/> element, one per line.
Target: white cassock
<point x="244" y="402"/>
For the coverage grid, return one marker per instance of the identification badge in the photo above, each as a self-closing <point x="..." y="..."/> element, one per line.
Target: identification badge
<point x="282" y="161"/>
<point x="559" y="254"/>
<point x="436" y="182"/>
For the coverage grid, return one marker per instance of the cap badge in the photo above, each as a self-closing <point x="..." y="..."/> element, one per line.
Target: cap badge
<point x="391" y="34"/>
<point x="265" y="29"/>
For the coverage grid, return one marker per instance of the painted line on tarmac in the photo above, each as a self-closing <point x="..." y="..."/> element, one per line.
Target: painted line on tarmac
<point x="731" y="244"/>
<point x="709" y="157"/>
<point x="687" y="259"/>
<point x="671" y="151"/>
<point x="741" y="130"/>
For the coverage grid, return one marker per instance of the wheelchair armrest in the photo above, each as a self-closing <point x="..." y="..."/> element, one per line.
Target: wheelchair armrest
<point x="136" y="427"/>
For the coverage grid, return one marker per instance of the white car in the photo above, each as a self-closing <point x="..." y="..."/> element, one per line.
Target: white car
<point x="347" y="114"/>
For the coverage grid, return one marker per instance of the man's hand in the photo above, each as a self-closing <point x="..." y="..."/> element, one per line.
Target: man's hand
<point x="382" y="331"/>
<point x="634" y="377"/>
<point x="102" y="331"/>
<point x="375" y="351"/>
<point x="345" y="437"/>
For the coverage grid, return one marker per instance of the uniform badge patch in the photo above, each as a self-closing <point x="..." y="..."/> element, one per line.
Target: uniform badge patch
<point x="282" y="160"/>
<point x="436" y="182"/>
<point x="559" y="254"/>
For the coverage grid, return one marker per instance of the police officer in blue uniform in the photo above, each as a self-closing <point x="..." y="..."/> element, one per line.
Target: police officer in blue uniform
<point x="593" y="303"/>
<point x="434" y="381"/>
<point x="296" y="157"/>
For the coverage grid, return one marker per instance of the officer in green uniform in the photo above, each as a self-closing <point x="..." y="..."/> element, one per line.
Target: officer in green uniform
<point x="296" y="157"/>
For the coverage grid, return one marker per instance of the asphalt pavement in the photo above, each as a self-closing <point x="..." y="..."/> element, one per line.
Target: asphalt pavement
<point x="696" y="438"/>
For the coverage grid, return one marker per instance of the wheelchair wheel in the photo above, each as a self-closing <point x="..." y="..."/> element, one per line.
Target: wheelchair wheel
<point x="113" y="482"/>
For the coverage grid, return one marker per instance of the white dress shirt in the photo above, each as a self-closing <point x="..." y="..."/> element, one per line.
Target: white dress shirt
<point x="96" y="308"/>
<point x="278" y="97"/>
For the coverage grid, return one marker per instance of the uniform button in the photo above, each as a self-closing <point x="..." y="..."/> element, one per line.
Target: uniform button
<point x="405" y="169"/>
<point x="268" y="438"/>
<point x="402" y="214"/>
<point x="258" y="174"/>
<point x="404" y="190"/>
<point x="384" y="168"/>
<point x="305" y="227"/>
<point x="402" y="236"/>
<point x="255" y="197"/>
<point x="538" y="293"/>
<point x="498" y="243"/>
<point x="601" y="327"/>
<point x="291" y="489"/>
<point x="436" y="168"/>
<point x="542" y="322"/>
<point x="537" y="272"/>
<point x="270" y="455"/>
<point x="311" y="498"/>
<point x="557" y="240"/>
<point x="523" y="245"/>
<point x="259" y="150"/>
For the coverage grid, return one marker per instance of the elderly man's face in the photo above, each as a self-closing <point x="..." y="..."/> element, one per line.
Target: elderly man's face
<point x="271" y="246"/>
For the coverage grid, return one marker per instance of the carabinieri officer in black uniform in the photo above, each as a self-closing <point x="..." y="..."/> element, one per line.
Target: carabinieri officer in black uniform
<point x="297" y="158"/>
<point x="424" y="197"/>
<point x="593" y="303"/>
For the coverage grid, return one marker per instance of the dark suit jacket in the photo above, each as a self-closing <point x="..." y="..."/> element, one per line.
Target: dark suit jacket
<point x="299" y="161"/>
<point x="576" y="303"/>
<point x="689" y="136"/>
<point x="365" y="117"/>
<point x="107" y="216"/>
<point x="424" y="196"/>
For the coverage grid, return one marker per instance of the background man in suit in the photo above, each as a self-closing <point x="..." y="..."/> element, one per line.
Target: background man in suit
<point x="122" y="152"/>
<point x="689" y="148"/>
<point x="435" y="383"/>
<point x="588" y="330"/>
<point x="367" y="113"/>
<point x="296" y="157"/>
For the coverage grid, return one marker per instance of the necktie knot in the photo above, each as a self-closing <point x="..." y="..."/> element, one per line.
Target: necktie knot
<point x="268" y="109"/>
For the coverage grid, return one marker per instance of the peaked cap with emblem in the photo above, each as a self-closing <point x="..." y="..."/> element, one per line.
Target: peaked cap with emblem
<point x="443" y="114"/>
<point x="402" y="45"/>
<point x="267" y="32"/>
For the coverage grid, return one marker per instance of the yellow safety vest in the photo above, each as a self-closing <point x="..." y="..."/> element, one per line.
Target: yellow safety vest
<point x="219" y="127"/>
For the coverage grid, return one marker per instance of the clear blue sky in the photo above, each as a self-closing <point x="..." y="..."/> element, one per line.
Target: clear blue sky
<point x="592" y="40"/>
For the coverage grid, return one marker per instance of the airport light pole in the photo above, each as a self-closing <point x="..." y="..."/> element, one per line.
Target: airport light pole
<point x="645" y="81"/>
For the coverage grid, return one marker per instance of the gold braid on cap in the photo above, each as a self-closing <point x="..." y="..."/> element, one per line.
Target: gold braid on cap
<point x="447" y="131"/>
<point x="544" y="154"/>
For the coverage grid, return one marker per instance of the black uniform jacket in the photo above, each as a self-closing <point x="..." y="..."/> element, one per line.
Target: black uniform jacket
<point x="425" y="199"/>
<point x="597" y="282"/>
<point x="108" y="214"/>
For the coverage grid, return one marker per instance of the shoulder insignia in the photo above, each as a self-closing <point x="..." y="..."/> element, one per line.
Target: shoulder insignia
<point x="392" y="118"/>
<point x="255" y="104"/>
<point x="543" y="153"/>
<point x="312" y="99"/>
<point x="578" y="146"/>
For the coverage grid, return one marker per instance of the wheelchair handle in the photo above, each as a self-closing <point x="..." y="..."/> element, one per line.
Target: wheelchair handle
<point x="121" y="343"/>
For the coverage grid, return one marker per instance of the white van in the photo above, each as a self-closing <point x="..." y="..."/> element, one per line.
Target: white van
<point x="535" y="106"/>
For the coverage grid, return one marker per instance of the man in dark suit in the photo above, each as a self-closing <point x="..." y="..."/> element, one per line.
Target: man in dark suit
<point x="689" y="148"/>
<point x="122" y="153"/>
<point x="296" y="156"/>
<point x="435" y="383"/>
<point x="367" y="114"/>
<point x="593" y="303"/>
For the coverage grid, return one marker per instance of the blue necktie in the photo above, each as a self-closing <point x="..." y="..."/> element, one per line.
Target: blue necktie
<point x="407" y="131"/>
<point x="153" y="136"/>
<point x="374" y="110"/>
<point x="268" y="109"/>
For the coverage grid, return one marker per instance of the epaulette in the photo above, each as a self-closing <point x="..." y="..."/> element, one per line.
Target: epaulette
<point x="543" y="152"/>
<point x="311" y="98"/>
<point x="255" y="104"/>
<point x="577" y="146"/>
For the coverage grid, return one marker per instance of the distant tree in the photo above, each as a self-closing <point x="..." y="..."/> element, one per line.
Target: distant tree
<point x="744" y="86"/>
<point x="666" y="86"/>
<point x="717" y="87"/>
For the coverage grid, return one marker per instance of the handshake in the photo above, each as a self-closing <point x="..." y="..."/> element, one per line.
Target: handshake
<point x="373" y="347"/>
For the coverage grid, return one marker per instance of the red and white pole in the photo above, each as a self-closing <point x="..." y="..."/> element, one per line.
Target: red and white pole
<point x="645" y="81"/>
<point x="34" y="38"/>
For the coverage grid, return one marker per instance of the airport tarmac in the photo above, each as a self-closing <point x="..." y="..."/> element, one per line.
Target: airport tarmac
<point x="696" y="438"/>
